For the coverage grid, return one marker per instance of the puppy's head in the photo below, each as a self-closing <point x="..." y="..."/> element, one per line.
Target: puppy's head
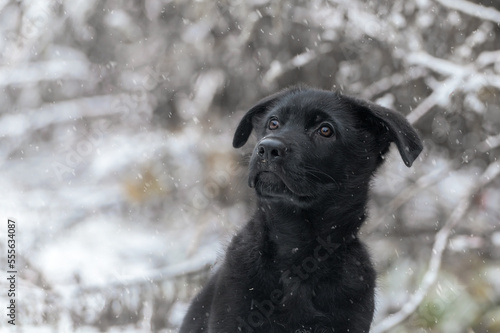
<point x="315" y="143"/>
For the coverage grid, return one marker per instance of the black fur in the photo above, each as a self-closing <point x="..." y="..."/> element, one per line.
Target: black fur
<point x="298" y="265"/>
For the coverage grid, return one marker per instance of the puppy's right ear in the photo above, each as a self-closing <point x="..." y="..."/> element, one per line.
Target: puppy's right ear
<point x="246" y="124"/>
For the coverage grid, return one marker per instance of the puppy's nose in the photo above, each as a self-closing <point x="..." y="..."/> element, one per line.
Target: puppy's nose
<point x="271" y="149"/>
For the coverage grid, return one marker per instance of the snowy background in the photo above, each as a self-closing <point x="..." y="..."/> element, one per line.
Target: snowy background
<point x="116" y="120"/>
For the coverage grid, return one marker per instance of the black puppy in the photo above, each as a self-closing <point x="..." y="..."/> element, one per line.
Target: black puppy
<point x="298" y="265"/>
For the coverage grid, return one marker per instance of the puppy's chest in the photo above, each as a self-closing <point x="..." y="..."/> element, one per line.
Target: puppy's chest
<point x="289" y="286"/>
<point x="295" y="273"/>
<point x="295" y="314"/>
<point x="282" y="292"/>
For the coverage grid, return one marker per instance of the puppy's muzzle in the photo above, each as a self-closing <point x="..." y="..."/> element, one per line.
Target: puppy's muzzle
<point x="267" y="162"/>
<point x="271" y="149"/>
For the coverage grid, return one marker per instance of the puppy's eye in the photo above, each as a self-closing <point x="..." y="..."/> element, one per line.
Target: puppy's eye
<point x="273" y="124"/>
<point x="325" y="130"/>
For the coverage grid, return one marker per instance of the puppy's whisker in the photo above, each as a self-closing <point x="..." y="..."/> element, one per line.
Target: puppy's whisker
<point x="315" y="172"/>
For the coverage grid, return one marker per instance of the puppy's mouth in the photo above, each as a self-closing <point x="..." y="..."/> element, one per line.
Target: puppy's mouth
<point x="269" y="184"/>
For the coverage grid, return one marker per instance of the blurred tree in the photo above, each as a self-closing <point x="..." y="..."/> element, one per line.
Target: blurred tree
<point x="118" y="115"/>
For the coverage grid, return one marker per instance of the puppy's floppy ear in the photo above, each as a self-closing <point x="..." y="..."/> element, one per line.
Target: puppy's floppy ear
<point x="399" y="129"/>
<point x="245" y="127"/>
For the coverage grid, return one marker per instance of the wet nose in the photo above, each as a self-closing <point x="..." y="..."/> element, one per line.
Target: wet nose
<point x="271" y="149"/>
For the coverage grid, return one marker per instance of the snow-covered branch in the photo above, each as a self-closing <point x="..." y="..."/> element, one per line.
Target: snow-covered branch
<point x="196" y="265"/>
<point x="469" y="8"/>
<point x="437" y="65"/>
<point x="44" y="71"/>
<point x="440" y="244"/>
<point x="489" y="143"/>
<point x="30" y="120"/>
<point x="391" y="82"/>
<point x="422" y="183"/>
<point x="439" y="96"/>
<point x="459" y="78"/>
<point x="277" y="68"/>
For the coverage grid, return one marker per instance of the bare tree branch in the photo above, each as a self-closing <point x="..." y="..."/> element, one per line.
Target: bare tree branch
<point x="440" y="244"/>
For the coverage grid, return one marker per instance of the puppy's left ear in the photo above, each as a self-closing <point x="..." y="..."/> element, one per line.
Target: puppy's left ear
<point x="399" y="129"/>
<point x="246" y="124"/>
